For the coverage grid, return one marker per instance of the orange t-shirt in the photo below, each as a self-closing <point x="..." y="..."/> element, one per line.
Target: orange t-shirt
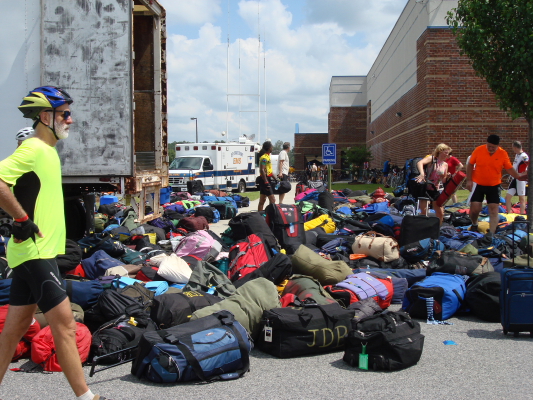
<point x="489" y="167"/>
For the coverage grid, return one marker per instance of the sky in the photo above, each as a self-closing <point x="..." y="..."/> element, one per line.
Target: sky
<point x="227" y="59"/>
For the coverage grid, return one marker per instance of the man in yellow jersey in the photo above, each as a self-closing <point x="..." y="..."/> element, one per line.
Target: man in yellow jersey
<point x="31" y="192"/>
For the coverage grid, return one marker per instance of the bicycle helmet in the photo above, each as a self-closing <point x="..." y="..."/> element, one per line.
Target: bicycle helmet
<point x="42" y="98"/>
<point x="25" y="133"/>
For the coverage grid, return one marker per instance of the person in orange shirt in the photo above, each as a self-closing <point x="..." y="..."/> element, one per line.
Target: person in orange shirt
<point x="490" y="160"/>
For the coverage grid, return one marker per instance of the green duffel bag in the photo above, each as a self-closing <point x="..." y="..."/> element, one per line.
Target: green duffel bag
<point x="100" y="221"/>
<point x="306" y="262"/>
<point x="247" y="304"/>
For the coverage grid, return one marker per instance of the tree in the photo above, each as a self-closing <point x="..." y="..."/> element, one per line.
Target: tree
<point x="357" y="156"/>
<point x="278" y="146"/>
<point x="172" y="149"/>
<point x="496" y="36"/>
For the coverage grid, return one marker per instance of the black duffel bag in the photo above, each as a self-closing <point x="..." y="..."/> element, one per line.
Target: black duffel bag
<point x="171" y="309"/>
<point x="393" y="341"/>
<point x="483" y="296"/>
<point x="309" y="329"/>
<point x="453" y="262"/>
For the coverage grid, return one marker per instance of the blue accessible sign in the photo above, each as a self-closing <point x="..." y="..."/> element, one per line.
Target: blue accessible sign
<point x="329" y="153"/>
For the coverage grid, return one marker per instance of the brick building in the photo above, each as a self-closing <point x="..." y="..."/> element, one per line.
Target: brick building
<point x="418" y="93"/>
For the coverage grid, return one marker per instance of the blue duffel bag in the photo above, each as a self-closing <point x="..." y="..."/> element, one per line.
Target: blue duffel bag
<point x="83" y="293"/>
<point x="5" y="288"/>
<point x="97" y="264"/>
<point x="209" y="348"/>
<point x="445" y="292"/>
<point x="421" y="250"/>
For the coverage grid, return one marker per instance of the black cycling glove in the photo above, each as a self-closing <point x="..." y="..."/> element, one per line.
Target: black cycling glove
<point x="24" y="230"/>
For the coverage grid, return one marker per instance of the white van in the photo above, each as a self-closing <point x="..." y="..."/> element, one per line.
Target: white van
<point x="225" y="166"/>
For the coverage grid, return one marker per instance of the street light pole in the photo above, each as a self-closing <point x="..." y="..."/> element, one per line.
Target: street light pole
<point x="196" y="120"/>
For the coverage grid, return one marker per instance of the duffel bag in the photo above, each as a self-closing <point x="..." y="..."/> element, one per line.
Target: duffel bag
<point x="245" y="224"/>
<point x="438" y="297"/>
<point x="206" y="212"/>
<point x="400" y="285"/>
<point x="309" y="329"/>
<point x="193" y="224"/>
<point x="305" y="287"/>
<point x="200" y="244"/>
<point x="173" y="309"/>
<point x="364" y="285"/>
<point x="421" y="250"/>
<point x="387" y="341"/>
<point x="483" y="296"/>
<point x="376" y="245"/>
<point x="23" y="347"/>
<point x="101" y="241"/>
<point x="452" y="262"/>
<point x="306" y="262"/>
<point x="98" y="263"/>
<point x="210" y="348"/>
<point x="83" y="293"/>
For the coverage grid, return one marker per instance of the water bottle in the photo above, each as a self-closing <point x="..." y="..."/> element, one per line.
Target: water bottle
<point x="277" y="185"/>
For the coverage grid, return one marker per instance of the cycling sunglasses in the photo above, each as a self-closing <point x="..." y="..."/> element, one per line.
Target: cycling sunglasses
<point x="66" y="113"/>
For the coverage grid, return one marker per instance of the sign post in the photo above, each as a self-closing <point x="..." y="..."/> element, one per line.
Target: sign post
<point x="329" y="157"/>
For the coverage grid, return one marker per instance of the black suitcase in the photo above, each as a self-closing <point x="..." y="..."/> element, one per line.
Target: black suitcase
<point x="326" y="200"/>
<point x="285" y="221"/>
<point x="418" y="227"/>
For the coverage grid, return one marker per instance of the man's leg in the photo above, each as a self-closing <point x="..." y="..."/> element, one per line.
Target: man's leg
<point x="281" y="197"/>
<point x="508" y="205"/>
<point x="493" y="215"/>
<point x="64" y="331"/>
<point x="475" y="209"/>
<point x="262" y="199"/>
<point x="18" y="321"/>
<point x="522" y="204"/>
<point x="272" y="199"/>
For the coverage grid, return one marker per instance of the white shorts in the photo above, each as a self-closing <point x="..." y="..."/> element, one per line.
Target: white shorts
<point x="517" y="188"/>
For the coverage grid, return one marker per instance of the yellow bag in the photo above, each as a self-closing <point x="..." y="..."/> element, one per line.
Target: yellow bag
<point x="152" y="237"/>
<point x="323" y="221"/>
<point x="510" y="217"/>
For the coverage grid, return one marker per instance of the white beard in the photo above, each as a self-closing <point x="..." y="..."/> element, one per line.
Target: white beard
<point x="62" y="130"/>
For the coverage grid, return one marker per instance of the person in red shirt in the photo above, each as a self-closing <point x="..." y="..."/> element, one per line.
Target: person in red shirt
<point x="490" y="160"/>
<point x="454" y="165"/>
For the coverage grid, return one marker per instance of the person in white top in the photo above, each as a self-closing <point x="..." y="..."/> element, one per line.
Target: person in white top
<point x="518" y="188"/>
<point x="283" y="160"/>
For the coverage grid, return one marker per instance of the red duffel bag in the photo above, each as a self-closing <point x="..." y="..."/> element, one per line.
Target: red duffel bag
<point x="24" y="346"/>
<point x="43" y="349"/>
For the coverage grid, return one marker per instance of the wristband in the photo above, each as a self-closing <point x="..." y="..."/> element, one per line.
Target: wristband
<point x="23" y="219"/>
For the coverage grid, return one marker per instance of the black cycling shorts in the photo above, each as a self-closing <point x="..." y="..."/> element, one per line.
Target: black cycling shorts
<point x="492" y="193"/>
<point x="265" y="189"/>
<point x="37" y="281"/>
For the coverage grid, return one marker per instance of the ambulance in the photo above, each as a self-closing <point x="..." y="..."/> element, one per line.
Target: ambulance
<point x="224" y="166"/>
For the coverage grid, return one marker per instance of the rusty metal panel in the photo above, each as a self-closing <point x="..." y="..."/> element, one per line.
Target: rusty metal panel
<point x="87" y="49"/>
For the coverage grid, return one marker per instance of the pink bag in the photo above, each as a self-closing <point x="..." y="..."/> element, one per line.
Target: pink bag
<point x="303" y="194"/>
<point x="200" y="244"/>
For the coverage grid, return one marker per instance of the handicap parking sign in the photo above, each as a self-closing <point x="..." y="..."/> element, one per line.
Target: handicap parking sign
<point x="329" y="153"/>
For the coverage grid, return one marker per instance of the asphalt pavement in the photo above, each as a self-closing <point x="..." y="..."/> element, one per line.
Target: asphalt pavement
<point x="483" y="364"/>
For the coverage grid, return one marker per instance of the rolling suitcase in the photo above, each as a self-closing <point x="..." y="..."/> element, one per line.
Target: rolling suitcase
<point x="418" y="227"/>
<point x="516" y="299"/>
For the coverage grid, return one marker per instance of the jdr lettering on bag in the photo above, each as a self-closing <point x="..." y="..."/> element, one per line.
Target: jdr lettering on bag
<point x="327" y="337"/>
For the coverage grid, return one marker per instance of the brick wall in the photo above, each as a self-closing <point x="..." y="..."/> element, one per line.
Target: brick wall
<point x="347" y="127"/>
<point x="307" y="144"/>
<point x="449" y="104"/>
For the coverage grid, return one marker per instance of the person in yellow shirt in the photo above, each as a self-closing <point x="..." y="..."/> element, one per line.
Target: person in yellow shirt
<point x="266" y="176"/>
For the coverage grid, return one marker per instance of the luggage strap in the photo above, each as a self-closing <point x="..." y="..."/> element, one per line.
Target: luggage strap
<point x="195" y="365"/>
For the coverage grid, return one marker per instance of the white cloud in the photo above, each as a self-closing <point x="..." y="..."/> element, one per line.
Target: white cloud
<point x="300" y="61"/>
<point x="191" y="12"/>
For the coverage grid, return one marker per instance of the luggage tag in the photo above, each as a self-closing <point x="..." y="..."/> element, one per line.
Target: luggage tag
<point x="363" y="358"/>
<point x="291" y="228"/>
<point x="268" y="334"/>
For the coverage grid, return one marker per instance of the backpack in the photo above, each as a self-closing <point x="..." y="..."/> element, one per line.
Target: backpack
<point x="483" y="296"/>
<point x="226" y="209"/>
<point x="276" y="270"/>
<point x="98" y="263"/>
<point x="246" y="256"/>
<point x="326" y="200"/>
<point x="43" y="348"/>
<point x="286" y="223"/>
<point x="118" y="335"/>
<point x="392" y="341"/>
<point x="179" y="354"/>
<point x="445" y="291"/>
<point x="364" y="285"/>
<point x="206" y="212"/>
<point x="421" y="250"/>
<point x="71" y="258"/>
<point x="200" y="244"/>
<point x="208" y="278"/>
<point x="24" y="346"/>
<point x="246" y="224"/>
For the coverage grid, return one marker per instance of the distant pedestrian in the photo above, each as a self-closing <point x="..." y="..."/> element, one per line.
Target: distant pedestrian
<point x="518" y="188"/>
<point x="490" y="160"/>
<point x="265" y="178"/>
<point x="283" y="160"/>
<point x="314" y="171"/>
<point x="386" y="167"/>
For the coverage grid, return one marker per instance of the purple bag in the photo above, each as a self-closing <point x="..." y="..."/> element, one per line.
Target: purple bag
<point x="162" y="223"/>
<point x="176" y="207"/>
<point x="364" y="286"/>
